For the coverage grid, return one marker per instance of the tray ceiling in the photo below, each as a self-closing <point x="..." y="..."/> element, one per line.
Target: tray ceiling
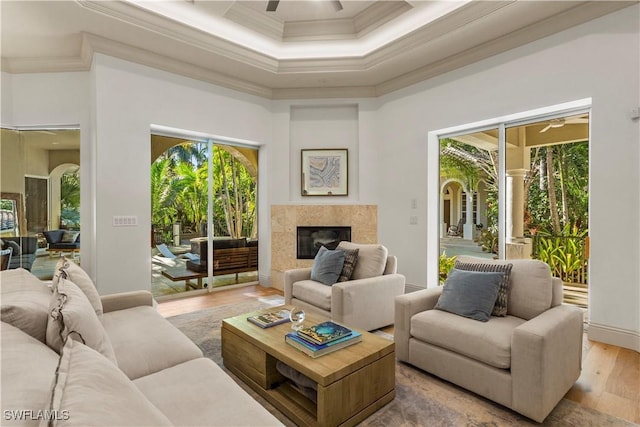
<point x="305" y="49"/>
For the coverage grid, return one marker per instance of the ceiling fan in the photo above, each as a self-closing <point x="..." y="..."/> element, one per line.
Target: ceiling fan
<point x="272" y="5"/>
<point x="558" y="123"/>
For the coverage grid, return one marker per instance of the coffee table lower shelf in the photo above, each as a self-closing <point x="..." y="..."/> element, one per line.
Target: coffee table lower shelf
<point x="346" y="397"/>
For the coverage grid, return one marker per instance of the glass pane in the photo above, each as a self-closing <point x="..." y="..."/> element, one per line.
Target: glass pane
<point x="180" y="191"/>
<point x="547" y="181"/>
<point x="468" y="197"/>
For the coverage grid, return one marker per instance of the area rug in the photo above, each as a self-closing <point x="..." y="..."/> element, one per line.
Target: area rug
<point x="421" y="399"/>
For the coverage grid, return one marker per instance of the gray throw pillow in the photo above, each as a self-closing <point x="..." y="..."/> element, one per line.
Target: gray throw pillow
<point x="470" y="294"/>
<point x="500" y="308"/>
<point x="350" y="260"/>
<point x="327" y="266"/>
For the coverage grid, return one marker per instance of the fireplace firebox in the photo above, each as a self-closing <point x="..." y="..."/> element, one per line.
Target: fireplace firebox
<point x="311" y="238"/>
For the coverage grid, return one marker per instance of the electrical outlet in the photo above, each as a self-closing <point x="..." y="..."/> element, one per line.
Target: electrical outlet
<point x="413" y="220"/>
<point x="125" y="221"/>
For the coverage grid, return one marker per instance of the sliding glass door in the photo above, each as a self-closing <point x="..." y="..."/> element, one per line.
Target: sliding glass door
<point x="518" y="191"/>
<point x="204" y="215"/>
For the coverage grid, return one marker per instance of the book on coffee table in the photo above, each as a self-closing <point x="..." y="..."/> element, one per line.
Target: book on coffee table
<point x="317" y="350"/>
<point x="267" y="320"/>
<point x="324" y="332"/>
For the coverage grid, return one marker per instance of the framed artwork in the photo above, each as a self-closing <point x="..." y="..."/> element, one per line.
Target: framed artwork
<point x="325" y="172"/>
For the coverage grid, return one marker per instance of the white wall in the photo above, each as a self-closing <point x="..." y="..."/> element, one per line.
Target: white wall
<point x="599" y="59"/>
<point x="129" y="98"/>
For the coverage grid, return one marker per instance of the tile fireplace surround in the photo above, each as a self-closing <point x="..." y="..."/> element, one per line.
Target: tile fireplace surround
<point x="363" y="220"/>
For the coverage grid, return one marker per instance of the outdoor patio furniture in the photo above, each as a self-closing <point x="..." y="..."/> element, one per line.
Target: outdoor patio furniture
<point x="229" y="256"/>
<point x="61" y="241"/>
<point x="166" y="252"/>
<point x="5" y="258"/>
<point x="456" y="230"/>
<point x="23" y="253"/>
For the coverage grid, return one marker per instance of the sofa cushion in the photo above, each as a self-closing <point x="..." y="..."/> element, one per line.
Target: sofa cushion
<point x="53" y="236"/>
<point x="25" y="302"/>
<point x="488" y="342"/>
<point x="144" y="342"/>
<point x="372" y="259"/>
<point x="327" y="266"/>
<point x="94" y="392"/>
<point x="350" y="261"/>
<point x="71" y="315"/>
<point x="500" y="307"/>
<point x="313" y="293"/>
<point x="470" y="294"/>
<point x="69" y="236"/>
<point x="199" y="392"/>
<point x="78" y="276"/>
<point x="531" y="289"/>
<point x="28" y="368"/>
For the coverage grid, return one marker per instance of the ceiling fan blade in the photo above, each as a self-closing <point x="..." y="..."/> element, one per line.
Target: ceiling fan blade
<point x="577" y="121"/>
<point x="546" y="128"/>
<point x="272" y="5"/>
<point x="337" y="5"/>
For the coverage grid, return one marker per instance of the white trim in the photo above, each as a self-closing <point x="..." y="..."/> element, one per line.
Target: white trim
<point x="202" y="137"/>
<point x="614" y="336"/>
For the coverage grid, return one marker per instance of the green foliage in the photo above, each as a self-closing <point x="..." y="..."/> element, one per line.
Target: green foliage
<point x="489" y="239"/>
<point x="70" y="199"/>
<point x="446" y="264"/>
<point x="179" y="191"/>
<point x="564" y="254"/>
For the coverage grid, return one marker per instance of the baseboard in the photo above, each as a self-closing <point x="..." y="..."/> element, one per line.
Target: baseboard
<point x="614" y="336"/>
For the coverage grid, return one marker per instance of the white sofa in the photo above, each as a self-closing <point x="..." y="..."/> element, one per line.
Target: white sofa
<point x="160" y="378"/>
<point x="527" y="360"/>
<point x="366" y="301"/>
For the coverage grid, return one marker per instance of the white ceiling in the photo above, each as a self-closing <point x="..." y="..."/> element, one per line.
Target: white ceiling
<point x="305" y="49"/>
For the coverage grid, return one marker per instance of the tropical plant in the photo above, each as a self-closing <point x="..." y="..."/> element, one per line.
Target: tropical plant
<point x="565" y="254"/>
<point x="446" y="264"/>
<point x="70" y="199"/>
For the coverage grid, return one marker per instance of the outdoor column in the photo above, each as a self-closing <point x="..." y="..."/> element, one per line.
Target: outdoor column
<point x="469" y="225"/>
<point x="516" y="245"/>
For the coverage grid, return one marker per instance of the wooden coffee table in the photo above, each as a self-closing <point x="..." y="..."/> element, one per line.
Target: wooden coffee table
<point x="353" y="382"/>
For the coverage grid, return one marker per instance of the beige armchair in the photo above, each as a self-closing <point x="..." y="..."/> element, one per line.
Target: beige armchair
<point x="526" y="361"/>
<point x="363" y="302"/>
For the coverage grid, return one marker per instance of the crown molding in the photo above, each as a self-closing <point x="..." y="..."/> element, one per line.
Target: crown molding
<point x="324" y="92"/>
<point x="249" y="18"/>
<point x="97" y="44"/>
<point x="379" y="14"/>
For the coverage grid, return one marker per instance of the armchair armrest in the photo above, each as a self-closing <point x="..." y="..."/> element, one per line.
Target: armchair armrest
<point x="291" y="277"/>
<point x="546" y="359"/>
<point x="124" y="300"/>
<point x="406" y="306"/>
<point x="366" y="303"/>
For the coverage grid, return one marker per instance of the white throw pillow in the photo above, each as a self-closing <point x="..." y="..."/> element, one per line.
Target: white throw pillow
<point x="25" y="302"/>
<point x="71" y="315"/>
<point x="372" y="259"/>
<point x="90" y="391"/>
<point x="80" y="277"/>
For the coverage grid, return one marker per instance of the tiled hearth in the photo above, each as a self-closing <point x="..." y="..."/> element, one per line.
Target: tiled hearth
<point x="363" y="220"/>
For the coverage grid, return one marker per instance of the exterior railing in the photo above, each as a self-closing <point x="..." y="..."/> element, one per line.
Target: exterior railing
<point x="567" y="257"/>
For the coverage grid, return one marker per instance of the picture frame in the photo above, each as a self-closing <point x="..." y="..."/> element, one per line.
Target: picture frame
<point x="325" y="172"/>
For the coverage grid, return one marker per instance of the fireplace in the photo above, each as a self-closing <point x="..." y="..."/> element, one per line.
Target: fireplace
<point x="311" y="238"/>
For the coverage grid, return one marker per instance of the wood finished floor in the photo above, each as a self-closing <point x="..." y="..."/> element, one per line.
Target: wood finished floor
<point x="610" y="380"/>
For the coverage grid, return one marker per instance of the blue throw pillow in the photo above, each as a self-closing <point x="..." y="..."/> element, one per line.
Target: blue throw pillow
<point x="470" y="294"/>
<point x="327" y="266"/>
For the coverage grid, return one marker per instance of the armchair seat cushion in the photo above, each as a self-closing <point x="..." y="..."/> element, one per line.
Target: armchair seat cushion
<point x="314" y="293"/>
<point x="487" y="342"/>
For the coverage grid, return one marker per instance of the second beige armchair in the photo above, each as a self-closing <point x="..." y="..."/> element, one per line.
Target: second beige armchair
<point x="366" y="301"/>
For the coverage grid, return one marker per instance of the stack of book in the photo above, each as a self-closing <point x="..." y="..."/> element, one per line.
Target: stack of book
<point x="323" y="338"/>
<point x="266" y="320"/>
